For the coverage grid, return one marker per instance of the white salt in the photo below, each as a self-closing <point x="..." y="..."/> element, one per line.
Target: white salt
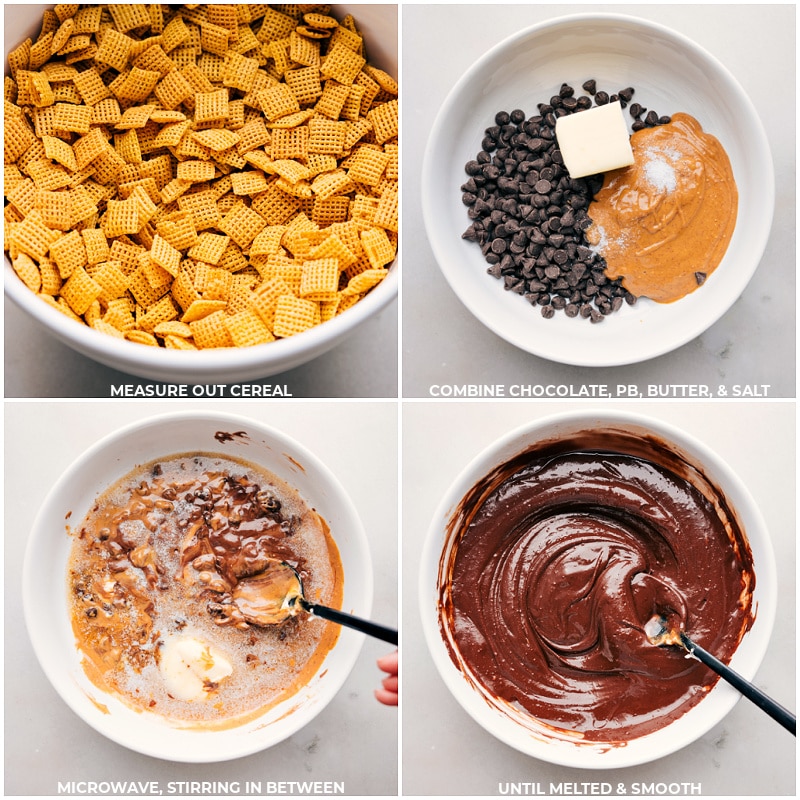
<point x="660" y="174"/>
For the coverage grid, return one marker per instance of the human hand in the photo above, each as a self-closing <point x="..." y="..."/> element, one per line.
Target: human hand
<point x="387" y="694"/>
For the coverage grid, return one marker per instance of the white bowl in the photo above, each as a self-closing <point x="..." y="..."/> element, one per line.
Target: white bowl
<point x="378" y="23"/>
<point x="45" y="580"/>
<point x="670" y="73"/>
<point x="699" y="719"/>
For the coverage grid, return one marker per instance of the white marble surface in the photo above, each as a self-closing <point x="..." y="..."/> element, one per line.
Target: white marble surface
<point x="753" y="343"/>
<point x="354" y="739"/>
<point x="446" y="753"/>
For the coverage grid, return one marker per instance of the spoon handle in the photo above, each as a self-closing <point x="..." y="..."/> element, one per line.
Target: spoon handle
<point x="751" y="692"/>
<point x="365" y="626"/>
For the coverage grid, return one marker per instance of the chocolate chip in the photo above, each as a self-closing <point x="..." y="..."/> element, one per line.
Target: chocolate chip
<point x="590" y="86"/>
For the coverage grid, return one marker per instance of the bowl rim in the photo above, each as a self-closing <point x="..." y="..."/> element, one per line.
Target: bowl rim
<point x="611" y="356"/>
<point x="125" y="353"/>
<point x="254" y="735"/>
<point x="588" y="755"/>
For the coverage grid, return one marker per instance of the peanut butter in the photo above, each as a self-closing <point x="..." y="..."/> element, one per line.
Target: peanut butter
<point x="664" y="224"/>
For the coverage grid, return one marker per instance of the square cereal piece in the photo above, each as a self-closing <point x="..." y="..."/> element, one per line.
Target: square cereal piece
<point x="250" y="182"/>
<point x="175" y="33"/>
<point x="211" y="331"/>
<point x="332" y="100"/>
<point x="135" y="117"/>
<point x="330" y="209"/>
<point x="173" y="327"/>
<point x="214" y="39"/>
<point x="386" y="214"/>
<point x="216" y="140"/>
<point x="55" y="209"/>
<point x="305" y="84"/>
<point x="294" y="315"/>
<point x="333" y="247"/>
<point x="69" y="117"/>
<point x="156" y="60"/>
<point x="274" y="205"/>
<point x="130" y="16"/>
<point x="89" y="147"/>
<point x="173" y="89"/>
<point x="165" y="255"/>
<point x="47" y="175"/>
<point x="212" y="282"/>
<point x="291" y="143"/>
<point x="275" y="25"/>
<point x="203" y="207"/>
<point x="364" y="281"/>
<point x="326" y="136"/>
<point x="138" y="85"/>
<point x="106" y="112"/>
<point x="195" y="171"/>
<point x="331" y="183"/>
<point x="242" y="224"/>
<point x="367" y="165"/>
<point x="303" y="50"/>
<point x="80" y="291"/>
<point x="211" y="106"/>
<point x="383" y="119"/>
<point x="96" y="244"/>
<point x="252" y="134"/>
<point x="162" y="311"/>
<point x="127" y="146"/>
<point x="247" y="329"/>
<point x="377" y="246"/>
<point x="112" y="280"/>
<point x="352" y="106"/>
<point x="201" y="308"/>
<point x="51" y="277"/>
<point x="278" y="101"/>
<point x="114" y="49"/>
<point x="264" y="299"/>
<point x="320" y="279"/>
<point x="183" y="290"/>
<point x="90" y="86"/>
<point x="122" y="216"/>
<point x="141" y="337"/>
<point x="209" y="248"/>
<point x="28" y="272"/>
<point x="107" y="329"/>
<point x="178" y="229"/>
<point x="69" y="253"/>
<point x="240" y="72"/>
<point x="342" y="64"/>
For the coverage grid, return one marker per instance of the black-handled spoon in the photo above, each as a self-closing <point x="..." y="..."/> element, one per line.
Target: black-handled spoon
<point x="276" y="594"/>
<point x="659" y="634"/>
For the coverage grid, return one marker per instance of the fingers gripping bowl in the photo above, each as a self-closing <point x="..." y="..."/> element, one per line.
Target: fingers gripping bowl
<point x="574" y="540"/>
<point x="50" y="600"/>
<point x="670" y="74"/>
<point x="221" y="361"/>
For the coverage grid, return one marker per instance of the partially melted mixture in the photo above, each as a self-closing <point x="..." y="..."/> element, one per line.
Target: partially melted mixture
<point x="560" y="557"/>
<point x="152" y="576"/>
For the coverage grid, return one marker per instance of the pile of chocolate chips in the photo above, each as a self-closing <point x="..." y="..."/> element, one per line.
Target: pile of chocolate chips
<point x="529" y="217"/>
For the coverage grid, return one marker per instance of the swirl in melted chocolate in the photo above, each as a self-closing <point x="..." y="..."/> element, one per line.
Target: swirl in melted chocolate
<point x="559" y="558"/>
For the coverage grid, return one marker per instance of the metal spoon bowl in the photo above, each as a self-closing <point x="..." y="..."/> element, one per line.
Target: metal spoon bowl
<point x="659" y="633"/>
<point x="276" y="594"/>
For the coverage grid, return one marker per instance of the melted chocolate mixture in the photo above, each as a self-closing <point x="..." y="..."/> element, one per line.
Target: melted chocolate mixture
<point x="559" y="559"/>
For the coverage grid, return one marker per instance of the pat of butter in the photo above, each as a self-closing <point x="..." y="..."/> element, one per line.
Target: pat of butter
<point x="594" y="141"/>
<point x="191" y="667"/>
